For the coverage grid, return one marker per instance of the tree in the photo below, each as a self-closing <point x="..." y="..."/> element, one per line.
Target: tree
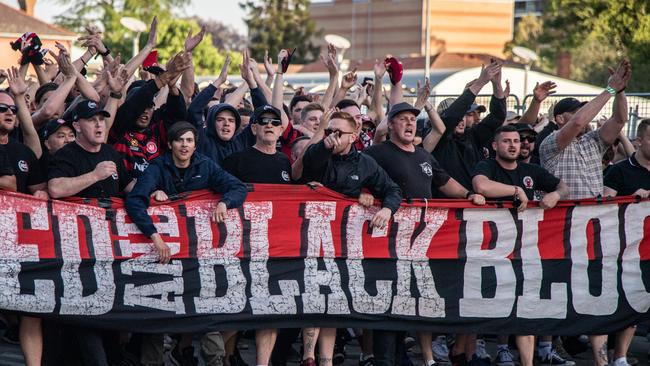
<point x="276" y="24"/>
<point x="599" y="32"/>
<point x="224" y="37"/>
<point x="171" y="31"/>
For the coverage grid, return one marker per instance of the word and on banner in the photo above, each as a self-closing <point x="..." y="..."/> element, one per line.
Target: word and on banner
<point x="297" y="256"/>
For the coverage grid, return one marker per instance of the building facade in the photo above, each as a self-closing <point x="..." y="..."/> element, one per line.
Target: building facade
<point x="379" y="27"/>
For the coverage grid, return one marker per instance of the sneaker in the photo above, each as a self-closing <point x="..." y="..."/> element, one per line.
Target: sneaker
<point x="440" y="350"/>
<point x="505" y="358"/>
<point x="558" y="346"/>
<point x="409" y="342"/>
<point x="554" y="359"/>
<point x="481" y="352"/>
<point x="308" y="362"/>
<point x="370" y="361"/>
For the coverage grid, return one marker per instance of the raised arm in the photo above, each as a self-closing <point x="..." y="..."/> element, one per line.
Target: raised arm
<point x="332" y="68"/>
<point x="270" y="71"/>
<point x="187" y="78"/>
<point x="540" y="93"/>
<point x="347" y="82"/>
<point x="612" y="127"/>
<point x="138" y="59"/>
<point x="58" y="97"/>
<point x="264" y="89"/>
<point x="277" y="99"/>
<point x="116" y="81"/>
<point x="376" y="106"/>
<point x="201" y="101"/>
<point x="18" y="88"/>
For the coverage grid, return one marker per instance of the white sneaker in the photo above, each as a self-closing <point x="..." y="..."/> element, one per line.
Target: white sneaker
<point x="505" y="358"/>
<point x="440" y="350"/>
<point x="481" y="352"/>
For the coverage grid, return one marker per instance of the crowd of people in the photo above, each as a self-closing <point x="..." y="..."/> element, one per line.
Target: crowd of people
<point x="157" y="135"/>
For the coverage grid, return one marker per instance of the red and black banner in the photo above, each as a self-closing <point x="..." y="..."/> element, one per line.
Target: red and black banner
<point x="295" y="256"/>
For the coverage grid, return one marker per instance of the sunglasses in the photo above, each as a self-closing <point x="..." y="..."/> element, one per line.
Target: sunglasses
<point x="529" y="139"/>
<point x="266" y="121"/>
<point x="329" y="131"/>
<point x="6" y="107"/>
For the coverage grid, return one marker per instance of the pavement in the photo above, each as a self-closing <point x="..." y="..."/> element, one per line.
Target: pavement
<point x="11" y="355"/>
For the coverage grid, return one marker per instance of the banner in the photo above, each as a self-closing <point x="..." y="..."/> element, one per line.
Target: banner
<point x="294" y="256"/>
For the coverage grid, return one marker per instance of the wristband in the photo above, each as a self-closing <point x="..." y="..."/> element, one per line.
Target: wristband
<point x="610" y="90"/>
<point x="116" y="95"/>
<point x="469" y="193"/>
<point x="104" y="54"/>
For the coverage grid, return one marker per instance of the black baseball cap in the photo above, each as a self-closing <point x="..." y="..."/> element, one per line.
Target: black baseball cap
<point x="525" y="127"/>
<point x="52" y="126"/>
<point x="567" y="105"/>
<point x="87" y="109"/>
<point x="402" y="107"/>
<point x="266" y="108"/>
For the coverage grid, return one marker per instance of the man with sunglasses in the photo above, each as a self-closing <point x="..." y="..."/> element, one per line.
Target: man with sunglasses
<point x="527" y="136"/>
<point x="262" y="163"/>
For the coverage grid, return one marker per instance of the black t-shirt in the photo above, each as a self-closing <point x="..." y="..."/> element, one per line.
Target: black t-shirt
<point x="72" y="161"/>
<point x="25" y="166"/>
<point x="533" y="179"/>
<point x="627" y="176"/>
<point x="6" y="167"/>
<point x="414" y="172"/>
<point x="254" y="166"/>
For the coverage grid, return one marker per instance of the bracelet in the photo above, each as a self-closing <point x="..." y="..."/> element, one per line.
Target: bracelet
<point x="610" y="90"/>
<point x="116" y="95"/>
<point x="469" y="193"/>
<point x="516" y="191"/>
<point x="108" y="51"/>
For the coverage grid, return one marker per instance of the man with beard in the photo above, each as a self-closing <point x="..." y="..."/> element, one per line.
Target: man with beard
<point x="527" y="136"/>
<point x="416" y="172"/>
<point x="505" y="178"/>
<point x="139" y="133"/>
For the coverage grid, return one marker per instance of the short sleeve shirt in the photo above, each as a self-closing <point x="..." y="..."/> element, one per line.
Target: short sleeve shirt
<point x="627" y="176"/>
<point x="25" y="166"/>
<point x="532" y="179"/>
<point x="579" y="165"/>
<point x="72" y="161"/>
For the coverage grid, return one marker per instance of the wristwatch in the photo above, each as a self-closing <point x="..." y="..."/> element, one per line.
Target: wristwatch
<point x="104" y="54"/>
<point x="115" y="95"/>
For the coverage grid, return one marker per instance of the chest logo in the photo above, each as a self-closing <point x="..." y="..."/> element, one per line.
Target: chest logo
<point x="528" y="182"/>
<point x="152" y="148"/>
<point x="134" y="142"/>
<point x="23" y="166"/>
<point x="114" y="176"/>
<point x="285" y="176"/>
<point x="354" y="177"/>
<point x="426" y="169"/>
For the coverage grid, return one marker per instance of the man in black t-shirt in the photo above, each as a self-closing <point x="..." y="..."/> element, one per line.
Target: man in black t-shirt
<point x="504" y="178"/>
<point x="88" y="167"/>
<point x="262" y="163"/>
<point x="415" y="171"/>
<point x="527" y="136"/>
<point x="632" y="176"/>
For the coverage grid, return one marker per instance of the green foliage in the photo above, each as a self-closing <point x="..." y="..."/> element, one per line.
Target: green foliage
<point x="171" y="31"/>
<point x="597" y="33"/>
<point x="277" y="24"/>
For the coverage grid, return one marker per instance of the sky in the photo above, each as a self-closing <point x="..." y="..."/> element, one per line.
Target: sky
<point x="225" y="11"/>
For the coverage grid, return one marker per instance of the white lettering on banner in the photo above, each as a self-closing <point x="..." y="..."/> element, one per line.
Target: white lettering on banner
<point x="362" y="301"/>
<point x="155" y="295"/>
<point x="73" y="300"/>
<point x="208" y="302"/>
<point x="412" y="254"/>
<point x="473" y="304"/>
<point x="262" y="302"/>
<point x="12" y="253"/>
<point x="319" y="232"/>
<point x="530" y="305"/>
<point x="583" y="301"/>
<point x="633" y="286"/>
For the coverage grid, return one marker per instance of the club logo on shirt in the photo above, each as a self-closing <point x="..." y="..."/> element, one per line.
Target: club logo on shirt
<point x="23" y="166"/>
<point x="114" y="176"/>
<point x="354" y="177"/>
<point x="528" y="182"/>
<point x="426" y="169"/>
<point x="152" y="147"/>
<point x="285" y="176"/>
<point x="133" y="142"/>
<point x="486" y="152"/>
<point x="92" y="104"/>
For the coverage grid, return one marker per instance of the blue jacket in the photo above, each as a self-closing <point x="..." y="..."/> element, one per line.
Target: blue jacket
<point x="209" y="142"/>
<point x="163" y="175"/>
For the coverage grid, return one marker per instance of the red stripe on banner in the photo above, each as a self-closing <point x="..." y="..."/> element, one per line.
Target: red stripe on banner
<point x="591" y="251"/>
<point x="644" y="246"/>
<point x="551" y="234"/>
